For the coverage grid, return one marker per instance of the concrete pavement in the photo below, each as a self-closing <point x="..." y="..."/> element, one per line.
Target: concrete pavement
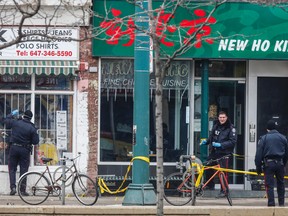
<point x="112" y="205"/>
<point x="117" y="201"/>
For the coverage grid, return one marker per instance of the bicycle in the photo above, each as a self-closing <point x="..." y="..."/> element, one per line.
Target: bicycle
<point x="182" y="187"/>
<point x="40" y="185"/>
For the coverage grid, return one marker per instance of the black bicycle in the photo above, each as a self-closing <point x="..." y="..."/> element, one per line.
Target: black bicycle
<point x="40" y="185"/>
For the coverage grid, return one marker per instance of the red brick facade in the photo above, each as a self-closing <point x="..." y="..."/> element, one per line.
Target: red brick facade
<point x="86" y="56"/>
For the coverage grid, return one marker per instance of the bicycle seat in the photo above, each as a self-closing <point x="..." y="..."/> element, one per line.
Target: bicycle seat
<point x="46" y="160"/>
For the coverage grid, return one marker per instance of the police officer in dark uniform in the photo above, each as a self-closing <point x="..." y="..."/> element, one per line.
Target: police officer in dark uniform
<point x="222" y="141"/>
<point x="23" y="136"/>
<point x="272" y="155"/>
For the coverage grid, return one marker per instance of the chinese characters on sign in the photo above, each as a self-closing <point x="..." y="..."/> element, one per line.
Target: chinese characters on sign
<point x="117" y="29"/>
<point x="198" y="30"/>
<point x="193" y="26"/>
<point x="114" y="29"/>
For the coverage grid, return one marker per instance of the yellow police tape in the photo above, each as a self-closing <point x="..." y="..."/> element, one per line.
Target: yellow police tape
<point x="238" y="171"/>
<point x="104" y="188"/>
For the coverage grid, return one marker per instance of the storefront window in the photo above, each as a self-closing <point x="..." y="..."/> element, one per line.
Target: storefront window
<point x="117" y="83"/>
<point x="54" y="139"/>
<point x="224" y="95"/>
<point x="175" y="127"/>
<point x="15" y="82"/>
<point x="8" y="103"/>
<point x="60" y="82"/>
<point x="225" y="69"/>
<point x="53" y="113"/>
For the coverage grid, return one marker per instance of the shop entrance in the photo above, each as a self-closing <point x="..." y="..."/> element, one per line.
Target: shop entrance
<point x="272" y="103"/>
<point x="228" y="96"/>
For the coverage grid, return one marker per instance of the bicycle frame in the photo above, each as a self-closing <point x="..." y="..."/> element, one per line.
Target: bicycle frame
<point x="71" y="169"/>
<point x="201" y="173"/>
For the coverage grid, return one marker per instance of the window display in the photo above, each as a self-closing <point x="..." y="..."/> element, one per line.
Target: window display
<point x="44" y="104"/>
<point x="116" y="120"/>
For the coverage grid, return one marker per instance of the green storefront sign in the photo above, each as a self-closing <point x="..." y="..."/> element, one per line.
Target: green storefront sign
<point x="235" y="30"/>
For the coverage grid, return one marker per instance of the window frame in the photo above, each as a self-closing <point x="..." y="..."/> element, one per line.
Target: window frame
<point x="33" y="92"/>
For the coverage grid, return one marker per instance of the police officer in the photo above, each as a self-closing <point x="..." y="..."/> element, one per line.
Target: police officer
<point x="272" y="154"/>
<point x="221" y="142"/>
<point x="23" y="135"/>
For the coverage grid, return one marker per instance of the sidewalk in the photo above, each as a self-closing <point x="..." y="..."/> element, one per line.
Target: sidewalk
<point x="239" y="198"/>
<point x="112" y="205"/>
<point x="117" y="201"/>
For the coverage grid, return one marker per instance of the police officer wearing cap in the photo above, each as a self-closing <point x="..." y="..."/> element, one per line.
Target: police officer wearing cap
<point x="272" y="155"/>
<point x="222" y="140"/>
<point x="23" y="136"/>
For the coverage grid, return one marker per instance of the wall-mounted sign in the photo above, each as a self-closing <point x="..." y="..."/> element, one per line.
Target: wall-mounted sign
<point x="235" y="30"/>
<point x="36" y="47"/>
<point x="119" y="74"/>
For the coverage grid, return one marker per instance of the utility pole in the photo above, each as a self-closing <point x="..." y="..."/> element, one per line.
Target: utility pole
<point x="140" y="191"/>
<point x="204" y="107"/>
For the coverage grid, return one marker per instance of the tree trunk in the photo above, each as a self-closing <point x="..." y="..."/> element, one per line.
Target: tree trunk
<point x="159" y="129"/>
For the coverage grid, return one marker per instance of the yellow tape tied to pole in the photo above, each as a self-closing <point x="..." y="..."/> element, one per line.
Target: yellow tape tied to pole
<point x="104" y="188"/>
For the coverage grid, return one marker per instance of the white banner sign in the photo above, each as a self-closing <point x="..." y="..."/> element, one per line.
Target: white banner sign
<point x="40" y="47"/>
<point x="61" y="117"/>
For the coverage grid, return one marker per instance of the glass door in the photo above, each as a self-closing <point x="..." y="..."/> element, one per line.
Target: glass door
<point x="228" y="96"/>
<point x="272" y="103"/>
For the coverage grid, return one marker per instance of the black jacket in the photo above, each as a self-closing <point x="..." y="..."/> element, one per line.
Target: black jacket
<point x="23" y="131"/>
<point x="273" y="145"/>
<point x="224" y="134"/>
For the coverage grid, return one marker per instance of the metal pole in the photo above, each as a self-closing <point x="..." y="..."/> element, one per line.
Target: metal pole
<point x="63" y="180"/>
<point x="204" y="107"/>
<point x="140" y="191"/>
<point x="193" y="192"/>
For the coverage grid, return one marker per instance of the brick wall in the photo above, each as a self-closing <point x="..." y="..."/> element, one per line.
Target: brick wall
<point x="86" y="55"/>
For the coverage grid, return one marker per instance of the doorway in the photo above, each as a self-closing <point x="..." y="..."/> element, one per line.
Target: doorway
<point x="272" y="94"/>
<point x="228" y="96"/>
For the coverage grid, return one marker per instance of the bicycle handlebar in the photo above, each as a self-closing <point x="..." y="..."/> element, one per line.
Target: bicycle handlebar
<point x="70" y="159"/>
<point x="180" y="165"/>
<point x="217" y="159"/>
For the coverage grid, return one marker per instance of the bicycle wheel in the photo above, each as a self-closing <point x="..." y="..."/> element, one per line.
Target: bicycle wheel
<point x="225" y="187"/>
<point x="33" y="188"/>
<point x="175" y="191"/>
<point x="58" y="174"/>
<point x="85" y="189"/>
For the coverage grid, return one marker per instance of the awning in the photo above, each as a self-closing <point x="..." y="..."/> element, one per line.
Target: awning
<point x="38" y="67"/>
